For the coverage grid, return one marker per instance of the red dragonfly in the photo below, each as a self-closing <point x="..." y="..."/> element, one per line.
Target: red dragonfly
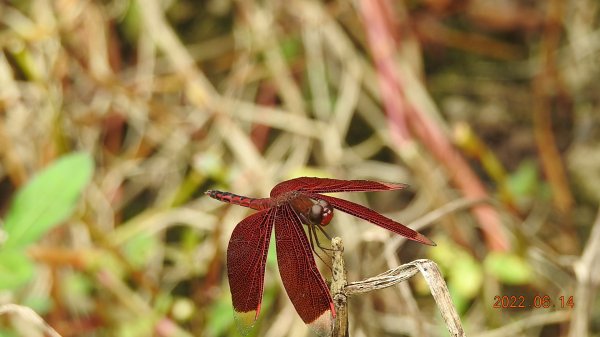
<point x="293" y="203"/>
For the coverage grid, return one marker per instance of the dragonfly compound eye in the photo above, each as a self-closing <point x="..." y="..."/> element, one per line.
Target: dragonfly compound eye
<point x="326" y="212"/>
<point x="315" y="215"/>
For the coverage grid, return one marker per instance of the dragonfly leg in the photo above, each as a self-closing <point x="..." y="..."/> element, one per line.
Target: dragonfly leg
<point x="312" y="235"/>
<point x="317" y="239"/>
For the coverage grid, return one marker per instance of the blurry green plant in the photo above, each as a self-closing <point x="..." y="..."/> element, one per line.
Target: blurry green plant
<point x="509" y="268"/>
<point x="465" y="274"/>
<point x="45" y="202"/>
<point x="526" y="186"/>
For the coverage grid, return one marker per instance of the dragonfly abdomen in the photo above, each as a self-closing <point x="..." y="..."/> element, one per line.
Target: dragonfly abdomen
<point x="254" y="203"/>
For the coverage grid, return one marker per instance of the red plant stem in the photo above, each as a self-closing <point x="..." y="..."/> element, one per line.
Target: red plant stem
<point x="390" y="86"/>
<point x="402" y="114"/>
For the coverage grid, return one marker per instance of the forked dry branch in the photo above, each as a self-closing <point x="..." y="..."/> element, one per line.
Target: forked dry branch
<point x="341" y="290"/>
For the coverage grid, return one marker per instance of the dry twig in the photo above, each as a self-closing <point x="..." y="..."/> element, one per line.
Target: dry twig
<point x="586" y="270"/>
<point x="30" y="316"/>
<point x="427" y="268"/>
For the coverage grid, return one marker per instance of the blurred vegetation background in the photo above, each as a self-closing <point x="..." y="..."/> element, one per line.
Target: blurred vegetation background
<point x="116" y="116"/>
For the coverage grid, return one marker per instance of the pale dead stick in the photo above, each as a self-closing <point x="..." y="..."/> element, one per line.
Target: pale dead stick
<point x="28" y="315"/>
<point x="430" y="271"/>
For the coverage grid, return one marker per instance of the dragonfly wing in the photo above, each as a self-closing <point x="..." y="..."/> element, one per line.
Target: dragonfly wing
<point x="301" y="278"/>
<point x="327" y="185"/>
<point x="374" y="217"/>
<point x="246" y="259"/>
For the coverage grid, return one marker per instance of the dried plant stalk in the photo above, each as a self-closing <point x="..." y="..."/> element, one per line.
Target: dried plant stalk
<point x="30" y="316"/>
<point x="338" y="285"/>
<point x="588" y="283"/>
<point x="427" y="268"/>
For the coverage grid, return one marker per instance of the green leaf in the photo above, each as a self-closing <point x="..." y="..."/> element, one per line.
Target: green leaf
<point x="524" y="182"/>
<point x="47" y="200"/>
<point x="15" y="268"/>
<point x="508" y="268"/>
<point x="466" y="276"/>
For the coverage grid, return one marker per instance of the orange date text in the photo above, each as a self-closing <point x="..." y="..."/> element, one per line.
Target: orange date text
<point x="537" y="302"/>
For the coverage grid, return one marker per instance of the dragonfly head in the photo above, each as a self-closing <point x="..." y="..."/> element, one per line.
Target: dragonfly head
<point x="320" y="213"/>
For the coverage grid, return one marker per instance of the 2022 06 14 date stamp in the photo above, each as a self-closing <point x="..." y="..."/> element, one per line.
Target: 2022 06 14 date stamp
<point x="537" y="302"/>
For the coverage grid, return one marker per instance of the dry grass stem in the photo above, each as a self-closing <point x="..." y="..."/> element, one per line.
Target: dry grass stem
<point x="586" y="271"/>
<point x="427" y="268"/>
<point x="30" y="317"/>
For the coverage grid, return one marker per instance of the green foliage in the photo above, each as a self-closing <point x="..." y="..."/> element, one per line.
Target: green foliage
<point x="467" y="276"/>
<point x="464" y="273"/>
<point x="525" y="184"/>
<point x="46" y="201"/>
<point x="524" y="181"/>
<point x="509" y="268"/>
<point x="15" y="268"/>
